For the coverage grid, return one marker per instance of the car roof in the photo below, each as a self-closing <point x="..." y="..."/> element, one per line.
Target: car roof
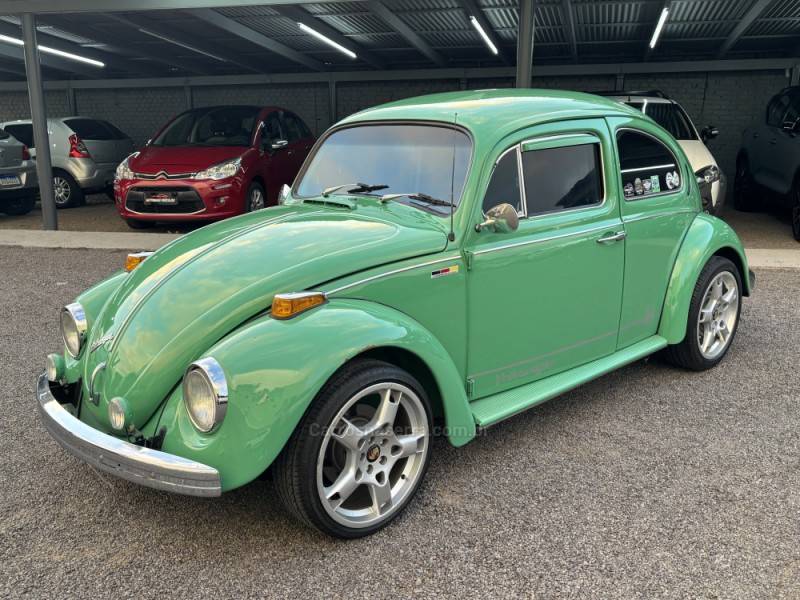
<point x="641" y="98"/>
<point x="493" y="114"/>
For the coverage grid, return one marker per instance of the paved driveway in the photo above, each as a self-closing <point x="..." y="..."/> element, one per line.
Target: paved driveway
<point x="650" y="482"/>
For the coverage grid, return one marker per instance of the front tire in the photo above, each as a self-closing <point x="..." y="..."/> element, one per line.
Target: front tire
<point x="713" y="317"/>
<point x="796" y="209"/>
<point x="256" y="200"/>
<point x="360" y="453"/>
<point x="743" y="186"/>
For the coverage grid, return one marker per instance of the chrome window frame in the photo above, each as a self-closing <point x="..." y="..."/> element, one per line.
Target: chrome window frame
<point x="675" y="163"/>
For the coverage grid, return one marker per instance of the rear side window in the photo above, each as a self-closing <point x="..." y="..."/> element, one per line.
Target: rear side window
<point x="776" y="110"/>
<point x="670" y="116"/>
<point x="647" y="166"/>
<point x="3" y="134"/>
<point x="24" y="133"/>
<point x="504" y="185"/>
<point x="90" y="129"/>
<point x="562" y="178"/>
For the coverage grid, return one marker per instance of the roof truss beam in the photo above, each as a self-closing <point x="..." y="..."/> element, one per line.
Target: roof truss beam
<point x="758" y="7"/>
<point x="232" y="26"/>
<point x="300" y="15"/>
<point x="568" y="18"/>
<point x="396" y="23"/>
<point x="52" y="62"/>
<point x="42" y="7"/>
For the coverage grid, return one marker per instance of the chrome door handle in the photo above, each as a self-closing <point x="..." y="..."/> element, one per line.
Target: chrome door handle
<point x="614" y="237"/>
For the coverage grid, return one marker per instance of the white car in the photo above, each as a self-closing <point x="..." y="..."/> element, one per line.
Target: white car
<point x="671" y="116"/>
<point x="85" y="153"/>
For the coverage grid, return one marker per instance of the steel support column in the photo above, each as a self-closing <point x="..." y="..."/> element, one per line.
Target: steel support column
<point x="525" y="44"/>
<point x="44" y="167"/>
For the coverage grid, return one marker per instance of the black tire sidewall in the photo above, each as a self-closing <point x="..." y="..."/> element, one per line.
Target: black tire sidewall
<point x="714" y="267"/>
<point x="251" y="187"/>
<point x="18" y="206"/>
<point x="325" y="408"/>
<point x="795" y="209"/>
<point x="743" y="186"/>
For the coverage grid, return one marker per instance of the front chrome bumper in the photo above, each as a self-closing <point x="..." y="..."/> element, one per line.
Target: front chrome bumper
<point x="138" y="464"/>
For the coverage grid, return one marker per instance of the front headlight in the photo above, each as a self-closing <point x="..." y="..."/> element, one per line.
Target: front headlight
<point x="73" y="328"/>
<point x="123" y="170"/>
<point x="221" y="171"/>
<point x="205" y="393"/>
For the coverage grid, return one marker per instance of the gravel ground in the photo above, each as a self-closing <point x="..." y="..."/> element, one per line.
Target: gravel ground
<point x="650" y="482"/>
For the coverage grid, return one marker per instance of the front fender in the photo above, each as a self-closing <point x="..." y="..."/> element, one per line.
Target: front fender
<point x="276" y="368"/>
<point x="706" y="237"/>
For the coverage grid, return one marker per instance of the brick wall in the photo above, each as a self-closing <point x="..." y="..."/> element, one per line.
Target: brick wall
<point x="730" y="100"/>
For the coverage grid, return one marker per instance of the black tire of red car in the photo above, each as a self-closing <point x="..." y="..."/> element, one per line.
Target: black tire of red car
<point x="743" y="186"/>
<point x="137" y="224"/>
<point x="256" y="200"/>
<point x="688" y="353"/>
<point x="796" y="209"/>
<point x="295" y="469"/>
<point x="18" y="206"/>
<point x="67" y="192"/>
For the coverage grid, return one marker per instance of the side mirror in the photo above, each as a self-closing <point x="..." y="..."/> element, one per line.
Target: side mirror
<point x="502" y="218"/>
<point x="278" y="144"/>
<point x="791" y="126"/>
<point x="709" y="132"/>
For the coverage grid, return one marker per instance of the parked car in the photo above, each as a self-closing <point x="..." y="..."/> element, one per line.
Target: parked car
<point x="18" y="183"/>
<point x="85" y="153"/>
<point x="770" y="157"/>
<point x="671" y="116"/>
<point x="502" y="247"/>
<point x="212" y="163"/>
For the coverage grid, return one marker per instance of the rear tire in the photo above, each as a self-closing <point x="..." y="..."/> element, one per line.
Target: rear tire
<point x="18" y="206"/>
<point x="713" y="317"/>
<point x="357" y="458"/>
<point x="67" y="192"/>
<point x="137" y="224"/>
<point x="743" y="187"/>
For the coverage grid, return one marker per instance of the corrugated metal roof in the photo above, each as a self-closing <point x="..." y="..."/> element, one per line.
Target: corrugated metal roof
<point x="605" y="30"/>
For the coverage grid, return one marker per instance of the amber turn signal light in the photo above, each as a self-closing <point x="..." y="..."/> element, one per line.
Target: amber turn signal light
<point x="286" y="306"/>
<point x="134" y="259"/>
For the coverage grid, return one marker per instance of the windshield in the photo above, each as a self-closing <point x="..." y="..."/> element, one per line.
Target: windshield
<point x="227" y="126"/>
<point x="670" y="116"/>
<point x="400" y="158"/>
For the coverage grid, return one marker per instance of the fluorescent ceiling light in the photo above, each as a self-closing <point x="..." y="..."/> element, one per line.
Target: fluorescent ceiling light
<point x="164" y="38"/>
<point x="484" y="35"/>
<point x="659" y="26"/>
<point x="55" y="52"/>
<point x="327" y="40"/>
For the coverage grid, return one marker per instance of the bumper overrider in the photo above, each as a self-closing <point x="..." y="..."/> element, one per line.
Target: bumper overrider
<point x="138" y="464"/>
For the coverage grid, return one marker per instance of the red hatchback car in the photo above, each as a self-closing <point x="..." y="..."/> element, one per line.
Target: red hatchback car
<point x="211" y="163"/>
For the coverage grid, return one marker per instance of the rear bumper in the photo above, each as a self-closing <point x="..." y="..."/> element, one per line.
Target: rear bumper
<point x="28" y="182"/>
<point x="91" y="175"/>
<point x="107" y="453"/>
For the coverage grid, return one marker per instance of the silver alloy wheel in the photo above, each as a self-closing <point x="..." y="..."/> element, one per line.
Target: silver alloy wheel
<point x="62" y="190"/>
<point x="718" y="313"/>
<point x="373" y="455"/>
<point x="256" y="199"/>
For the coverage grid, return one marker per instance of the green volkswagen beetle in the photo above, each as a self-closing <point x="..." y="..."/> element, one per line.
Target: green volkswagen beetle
<point x="440" y="262"/>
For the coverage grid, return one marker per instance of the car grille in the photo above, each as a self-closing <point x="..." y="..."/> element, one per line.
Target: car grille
<point x="187" y="200"/>
<point x="163" y="175"/>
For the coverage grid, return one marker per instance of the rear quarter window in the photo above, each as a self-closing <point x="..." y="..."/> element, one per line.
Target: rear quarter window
<point x="91" y="129"/>
<point x="648" y="167"/>
<point x="23" y="132"/>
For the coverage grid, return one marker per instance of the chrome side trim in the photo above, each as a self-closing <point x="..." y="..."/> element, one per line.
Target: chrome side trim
<point x="137" y="464"/>
<point x="546" y="239"/>
<point x="393" y="272"/>
<point x="657" y="214"/>
<point x="637" y="169"/>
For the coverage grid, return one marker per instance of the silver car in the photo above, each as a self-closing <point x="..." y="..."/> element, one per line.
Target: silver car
<point x="85" y="153"/>
<point x="18" y="183"/>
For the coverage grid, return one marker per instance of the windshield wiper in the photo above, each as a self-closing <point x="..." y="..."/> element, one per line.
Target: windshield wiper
<point x="418" y="196"/>
<point x="355" y="188"/>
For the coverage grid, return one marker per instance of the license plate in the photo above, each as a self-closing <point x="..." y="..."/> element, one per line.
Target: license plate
<point x="161" y="198"/>
<point x="9" y="180"/>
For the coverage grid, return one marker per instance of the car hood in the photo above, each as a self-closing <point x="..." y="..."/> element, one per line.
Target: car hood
<point x="197" y="289"/>
<point x="182" y="159"/>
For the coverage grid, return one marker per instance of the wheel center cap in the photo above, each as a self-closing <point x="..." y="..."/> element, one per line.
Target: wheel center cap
<point x="373" y="453"/>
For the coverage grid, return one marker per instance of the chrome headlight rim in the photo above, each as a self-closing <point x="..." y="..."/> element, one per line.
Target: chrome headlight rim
<point x="214" y="376"/>
<point x="78" y="316"/>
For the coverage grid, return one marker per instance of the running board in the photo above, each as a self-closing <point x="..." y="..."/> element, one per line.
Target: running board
<point x="493" y="409"/>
